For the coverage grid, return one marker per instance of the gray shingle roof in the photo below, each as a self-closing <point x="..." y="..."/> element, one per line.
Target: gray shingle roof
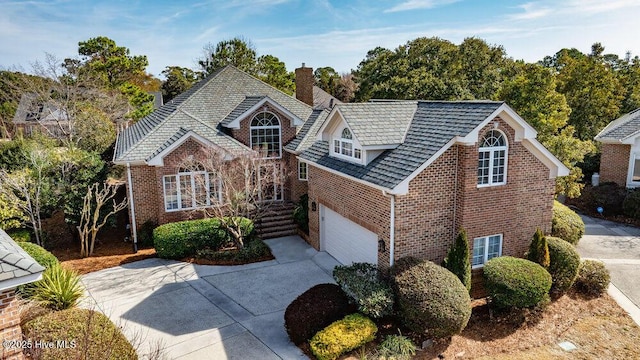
<point x="245" y="105"/>
<point x="379" y="123"/>
<point x="622" y="127"/>
<point x="201" y="109"/>
<point x="307" y="134"/>
<point x="434" y="124"/>
<point x="15" y="263"/>
<point x="323" y="100"/>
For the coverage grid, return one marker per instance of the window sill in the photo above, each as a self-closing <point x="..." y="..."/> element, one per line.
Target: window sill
<point x="479" y="186"/>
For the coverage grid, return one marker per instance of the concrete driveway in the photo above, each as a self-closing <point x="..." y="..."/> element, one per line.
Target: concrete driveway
<point x="618" y="246"/>
<point x="210" y="312"/>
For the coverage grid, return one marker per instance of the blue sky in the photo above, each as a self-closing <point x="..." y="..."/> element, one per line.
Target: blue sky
<point x="319" y="33"/>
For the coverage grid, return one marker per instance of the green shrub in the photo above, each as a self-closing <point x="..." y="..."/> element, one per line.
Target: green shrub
<point x="59" y="288"/>
<point x="314" y="310"/>
<point x="516" y="283"/>
<point x="20" y="235"/>
<point x="301" y="213"/>
<point x="566" y="224"/>
<point x="430" y="298"/>
<point x="39" y="254"/>
<point x="343" y="336"/>
<point x="457" y="260"/>
<point x="90" y="334"/>
<point x="631" y="204"/>
<point x="253" y="251"/>
<point x="362" y="283"/>
<point x="185" y="238"/>
<point x="539" y="250"/>
<point x="593" y="278"/>
<point x="609" y="195"/>
<point x="564" y="264"/>
<point x="396" y="347"/>
<point x="145" y="234"/>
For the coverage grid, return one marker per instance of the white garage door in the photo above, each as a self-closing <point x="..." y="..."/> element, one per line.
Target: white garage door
<point x="345" y="240"/>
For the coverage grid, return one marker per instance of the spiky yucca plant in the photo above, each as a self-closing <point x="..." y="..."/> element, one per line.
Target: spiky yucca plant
<point x="59" y="288"/>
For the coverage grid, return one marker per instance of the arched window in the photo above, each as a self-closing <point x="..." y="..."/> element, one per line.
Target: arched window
<point x="265" y="134"/>
<point x="344" y="145"/>
<point x="492" y="159"/>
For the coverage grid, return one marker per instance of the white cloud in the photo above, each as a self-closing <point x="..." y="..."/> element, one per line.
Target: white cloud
<point x="419" y="4"/>
<point x="531" y="11"/>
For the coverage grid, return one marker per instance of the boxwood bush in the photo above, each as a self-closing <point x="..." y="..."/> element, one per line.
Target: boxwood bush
<point x="564" y="262"/>
<point x="593" y="278"/>
<point x="39" y="254"/>
<point x="431" y="299"/>
<point x="19" y="235"/>
<point x="314" y="310"/>
<point x="184" y="238"/>
<point x="343" y="336"/>
<point x="566" y="224"/>
<point x="516" y="283"/>
<point x="631" y="204"/>
<point x="91" y="335"/>
<point x="362" y="283"/>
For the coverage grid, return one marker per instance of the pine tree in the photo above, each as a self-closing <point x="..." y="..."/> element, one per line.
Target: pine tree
<point x="458" y="259"/>
<point x="539" y="250"/>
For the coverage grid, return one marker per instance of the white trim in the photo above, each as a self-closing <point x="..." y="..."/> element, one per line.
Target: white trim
<point x="279" y="127"/>
<point x="235" y="124"/>
<point x="556" y="167"/>
<point x="328" y="121"/>
<point x="132" y="206"/>
<point x="194" y="204"/>
<point x="15" y="282"/>
<point x="306" y="170"/>
<point x="380" y="147"/>
<point x="486" y="249"/>
<point x="158" y="160"/>
<point x="632" y="158"/>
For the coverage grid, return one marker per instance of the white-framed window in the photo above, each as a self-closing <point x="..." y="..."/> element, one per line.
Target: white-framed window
<point x="635" y="168"/>
<point x="485" y="249"/>
<point x="190" y="190"/>
<point x="492" y="159"/>
<point x="302" y="171"/>
<point x="344" y="145"/>
<point x="265" y="135"/>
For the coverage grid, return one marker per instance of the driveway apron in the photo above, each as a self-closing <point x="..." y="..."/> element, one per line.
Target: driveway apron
<point x="210" y="312"/>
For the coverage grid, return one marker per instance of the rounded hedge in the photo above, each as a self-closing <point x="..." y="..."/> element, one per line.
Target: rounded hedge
<point x="39" y="254"/>
<point x="566" y="224"/>
<point x="180" y="239"/>
<point x="90" y="335"/>
<point x="314" y="310"/>
<point x="564" y="262"/>
<point x="518" y="283"/>
<point x="362" y="283"/>
<point x="430" y="298"/>
<point x="631" y="204"/>
<point x="343" y="336"/>
<point x="593" y="278"/>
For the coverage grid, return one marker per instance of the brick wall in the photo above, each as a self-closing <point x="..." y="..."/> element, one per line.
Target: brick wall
<point x="145" y="194"/>
<point x="294" y="188"/>
<point x="304" y="84"/>
<point x="359" y="203"/>
<point x="287" y="134"/>
<point x="614" y="163"/>
<point x="10" y="323"/>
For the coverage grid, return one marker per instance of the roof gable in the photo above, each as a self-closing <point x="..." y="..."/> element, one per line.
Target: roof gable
<point x="16" y="266"/>
<point x="249" y="106"/>
<point x="621" y="130"/>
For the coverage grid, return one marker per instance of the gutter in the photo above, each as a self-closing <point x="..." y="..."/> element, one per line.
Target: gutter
<point x="133" y="209"/>
<point x="392" y="227"/>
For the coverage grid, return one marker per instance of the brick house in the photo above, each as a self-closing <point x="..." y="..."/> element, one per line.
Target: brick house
<point x="620" y="150"/>
<point x="16" y="268"/>
<point x="385" y="179"/>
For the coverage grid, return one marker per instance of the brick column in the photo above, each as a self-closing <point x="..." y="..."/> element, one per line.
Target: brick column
<point x="10" y="324"/>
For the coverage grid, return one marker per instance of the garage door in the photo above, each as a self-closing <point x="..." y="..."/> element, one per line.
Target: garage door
<point x="345" y="240"/>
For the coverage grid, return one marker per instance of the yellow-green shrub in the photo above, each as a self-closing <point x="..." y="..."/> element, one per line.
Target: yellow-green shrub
<point x="566" y="224"/>
<point x="343" y="336"/>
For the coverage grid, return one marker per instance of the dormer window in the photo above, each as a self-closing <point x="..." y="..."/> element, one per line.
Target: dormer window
<point x="344" y="145"/>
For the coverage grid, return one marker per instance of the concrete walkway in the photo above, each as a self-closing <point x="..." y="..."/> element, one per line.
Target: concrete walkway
<point x="210" y="312"/>
<point x="618" y="246"/>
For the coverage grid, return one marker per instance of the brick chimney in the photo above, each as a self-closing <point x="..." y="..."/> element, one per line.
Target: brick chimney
<point x="304" y="84"/>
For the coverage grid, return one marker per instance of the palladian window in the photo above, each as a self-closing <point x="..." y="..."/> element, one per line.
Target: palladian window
<point x="344" y="145"/>
<point x="265" y="135"/>
<point x="492" y="159"/>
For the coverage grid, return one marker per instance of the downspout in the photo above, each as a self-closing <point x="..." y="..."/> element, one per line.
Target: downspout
<point x="133" y="209"/>
<point x="455" y="197"/>
<point x="392" y="227"/>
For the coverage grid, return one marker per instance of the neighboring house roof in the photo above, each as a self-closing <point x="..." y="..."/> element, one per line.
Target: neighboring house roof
<point x="16" y="266"/>
<point x="30" y="110"/>
<point x="323" y="100"/>
<point x="622" y="130"/>
<point x="431" y="129"/>
<point x="226" y="93"/>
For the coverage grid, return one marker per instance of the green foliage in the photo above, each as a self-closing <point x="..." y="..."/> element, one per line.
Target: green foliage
<point x="430" y="298"/>
<point x="11" y="216"/>
<point x="314" y="310"/>
<point x="327" y="79"/>
<point x="237" y="52"/>
<point x="566" y="224"/>
<point x="516" y="283"/>
<point x="145" y="233"/>
<point x="179" y="239"/>
<point x="301" y="213"/>
<point x="539" y="250"/>
<point x="255" y="250"/>
<point x="94" y="336"/>
<point x="631" y="204"/>
<point x="457" y="260"/>
<point x="396" y="347"/>
<point x="94" y="130"/>
<point x="177" y="80"/>
<point x="571" y="151"/>
<point x="39" y="254"/>
<point x="593" y="278"/>
<point x="343" y="336"/>
<point x="361" y="282"/>
<point x="59" y="288"/>
<point x="13" y="154"/>
<point x="564" y="264"/>
<point x="20" y="235"/>
<point x="140" y="101"/>
<point x="274" y="72"/>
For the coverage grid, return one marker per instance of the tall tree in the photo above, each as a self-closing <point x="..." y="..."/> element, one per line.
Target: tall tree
<point x="327" y="79"/>
<point x="274" y="72"/>
<point x="237" y="52"/>
<point x="177" y="80"/>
